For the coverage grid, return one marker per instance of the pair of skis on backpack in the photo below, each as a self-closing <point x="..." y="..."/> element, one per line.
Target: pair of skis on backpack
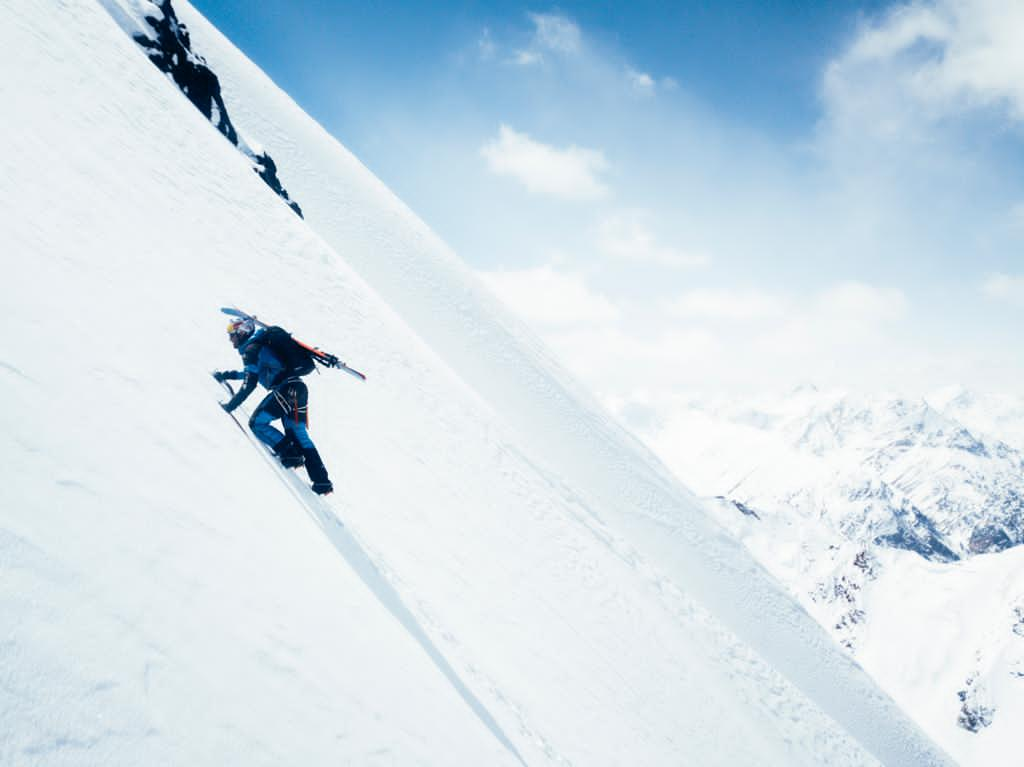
<point x="324" y="358"/>
<point x="299" y="357"/>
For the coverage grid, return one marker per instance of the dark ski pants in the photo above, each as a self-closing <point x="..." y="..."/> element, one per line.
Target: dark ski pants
<point x="288" y="401"/>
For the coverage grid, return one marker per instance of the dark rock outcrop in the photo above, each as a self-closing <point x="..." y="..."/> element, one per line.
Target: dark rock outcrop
<point x="989" y="538"/>
<point x="915" y="532"/>
<point x="974" y="715"/>
<point x="170" y="49"/>
<point x="745" y="510"/>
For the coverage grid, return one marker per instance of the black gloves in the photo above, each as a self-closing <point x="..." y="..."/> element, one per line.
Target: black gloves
<point x="220" y="376"/>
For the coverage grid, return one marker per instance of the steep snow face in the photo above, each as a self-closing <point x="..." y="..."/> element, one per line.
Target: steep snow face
<point x="565" y="434"/>
<point x="473" y="594"/>
<point x="162" y="598"/>
<point x="875" y="512"/>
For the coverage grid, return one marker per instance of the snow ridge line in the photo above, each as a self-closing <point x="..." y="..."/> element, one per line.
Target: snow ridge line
<point x="355" y="554"/>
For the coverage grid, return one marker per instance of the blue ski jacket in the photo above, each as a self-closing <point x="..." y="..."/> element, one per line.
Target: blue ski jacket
<point x="261" y="365"/>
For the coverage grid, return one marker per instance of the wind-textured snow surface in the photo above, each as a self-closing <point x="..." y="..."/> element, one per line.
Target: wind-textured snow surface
<point x="502" y="577"/>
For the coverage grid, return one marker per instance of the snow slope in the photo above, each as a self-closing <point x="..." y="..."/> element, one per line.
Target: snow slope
<point x="959" y="666"/>
<point x="626" y="487"/>
<point x="512" y="578"/>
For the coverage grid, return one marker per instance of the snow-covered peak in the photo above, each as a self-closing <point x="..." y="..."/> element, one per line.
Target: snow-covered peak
<point x="997" y="416"/>
<point x="831" y="446"/>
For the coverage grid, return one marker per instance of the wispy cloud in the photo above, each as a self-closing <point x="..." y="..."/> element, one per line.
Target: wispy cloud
<point x="834" y="334"/>
<point x="835" y="326"/>
<point x="615" y="358"/>
<point x="553" y="35"/>
<point x="527" y="58"/>
<point x="645" y="84"/>
<point x="557" y="33"/>
<point x="727" y="304"/>
<point x="627" y="235"/>
<point x="485" y="45"/>
<point x="550" y="298"/>
<point x="862" y="303"/>
<point x="1004" y="287"/>
<point x="642" y="82"/>
<point x="570" y="173"/>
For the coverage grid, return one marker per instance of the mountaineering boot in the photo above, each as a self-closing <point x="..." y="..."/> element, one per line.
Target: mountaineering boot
<point x="289" y="453"/>
<point x="323" y="488"/>
<point x="317" y="471"/>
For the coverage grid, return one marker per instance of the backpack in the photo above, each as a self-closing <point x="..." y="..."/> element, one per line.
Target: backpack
<point x="297" y="359"/>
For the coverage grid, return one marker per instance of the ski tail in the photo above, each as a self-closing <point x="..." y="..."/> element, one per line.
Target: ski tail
<point x="329" y="360"/>
<point x="324" y="358"/>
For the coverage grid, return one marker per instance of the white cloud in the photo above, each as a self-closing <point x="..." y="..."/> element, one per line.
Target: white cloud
<point x="861" y="303"/>
<point x="853" y="303"/>
<point x="593" y="336"/>
<point x="556" y="33"/>
<point x="844" y="334"/>
<point x="626" y="235"/>
<point x="547" y="297"/>
<point x="485" y="45"/>
<point x="570" y="173"/>
<point x="732" y="305"/>
<point x="553" y="34"/>
<point x="644" y="84"/>
<point x="842" y="326"/>
<point x="925" y="61"/>
<point x="845" y="318"/>
<point x="1005" y="287"/>
<point x="898" y="30"/>
<point x="613" y="359"/>
<point x="527" y="58"/>
<point x="641" y="82"/>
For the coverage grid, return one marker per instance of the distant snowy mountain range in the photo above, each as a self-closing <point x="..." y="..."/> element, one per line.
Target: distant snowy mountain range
<point x="852" y="500"/>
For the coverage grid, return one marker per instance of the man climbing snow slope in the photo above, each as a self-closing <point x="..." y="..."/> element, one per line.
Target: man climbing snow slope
<point x="267" y="358"/>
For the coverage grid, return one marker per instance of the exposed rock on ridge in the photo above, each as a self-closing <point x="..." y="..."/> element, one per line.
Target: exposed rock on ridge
<point x="170" y="49"/>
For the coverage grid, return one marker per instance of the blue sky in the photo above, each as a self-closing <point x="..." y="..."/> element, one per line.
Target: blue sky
<point x="698" y="195"/>
<point x="736" y="55"/>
